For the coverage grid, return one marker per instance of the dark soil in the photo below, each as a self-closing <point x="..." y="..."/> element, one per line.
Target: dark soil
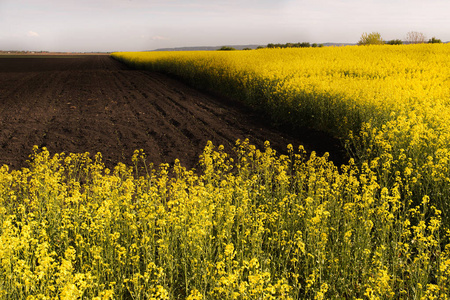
<point x="96" y="104"/>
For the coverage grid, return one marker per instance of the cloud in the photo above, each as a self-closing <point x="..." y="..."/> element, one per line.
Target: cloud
<point x="32" y="34"/>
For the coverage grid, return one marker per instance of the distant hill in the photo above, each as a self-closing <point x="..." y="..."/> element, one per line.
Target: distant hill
<point x="338" y="44"/>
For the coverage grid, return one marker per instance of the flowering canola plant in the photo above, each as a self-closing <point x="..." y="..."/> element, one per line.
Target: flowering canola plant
<point x="253" y="225"/>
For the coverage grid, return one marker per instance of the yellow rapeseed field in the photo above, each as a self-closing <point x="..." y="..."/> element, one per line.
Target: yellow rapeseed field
<point x="389" y="103"/>
<point x="255" y="224"/>
<point x="261" y="226"/>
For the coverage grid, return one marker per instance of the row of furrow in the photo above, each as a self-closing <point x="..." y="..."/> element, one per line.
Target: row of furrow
<point x="27" y="118"/>
<point x="175" y="103"/>
<point x="188" y="121"/>
<point x="202" y="113"/>
<point x="171" y="116"/>
<point x="16" y="88"/>
<point x="117" y="128"/>
<point x="127" y="100"/>
<point x="204" y="120"/>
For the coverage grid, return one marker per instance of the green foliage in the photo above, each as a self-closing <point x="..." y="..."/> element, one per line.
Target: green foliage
<point x="293" y="45"/>
<point x="226" y="48"/>
<point x="395" y="42"/>
<point x="373" y="38"/>
<point x="305" y="45"/>
<point x="434" y="40"/>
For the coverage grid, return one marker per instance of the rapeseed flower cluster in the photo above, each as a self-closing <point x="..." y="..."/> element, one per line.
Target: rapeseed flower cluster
<point x="249" y="225"/>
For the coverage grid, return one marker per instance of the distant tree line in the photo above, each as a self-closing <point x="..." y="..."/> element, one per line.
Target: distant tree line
<point x="294" y="45"/>
<point x="412" y="37"/>
<point x="287" y="45"/>
<point x="373" y="38"/>
<point x="226" y="48"/>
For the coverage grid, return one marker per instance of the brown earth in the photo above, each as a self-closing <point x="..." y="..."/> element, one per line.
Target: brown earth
<point x="96" y="104"/>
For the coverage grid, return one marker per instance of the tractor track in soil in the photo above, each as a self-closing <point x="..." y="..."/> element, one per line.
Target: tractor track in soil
<point x="96" y="104"/>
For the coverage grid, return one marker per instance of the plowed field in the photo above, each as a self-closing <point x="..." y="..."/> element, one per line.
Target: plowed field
<point x="96" y="104"/>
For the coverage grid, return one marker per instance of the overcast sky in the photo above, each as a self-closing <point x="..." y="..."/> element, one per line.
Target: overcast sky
<point x="134" y="25"/>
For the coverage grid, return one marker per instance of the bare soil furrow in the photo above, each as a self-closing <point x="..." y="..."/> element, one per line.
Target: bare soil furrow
<point x="96" y="104"/>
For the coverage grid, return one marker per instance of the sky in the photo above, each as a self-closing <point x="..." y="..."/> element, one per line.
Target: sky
<point x="138" y="25"/>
